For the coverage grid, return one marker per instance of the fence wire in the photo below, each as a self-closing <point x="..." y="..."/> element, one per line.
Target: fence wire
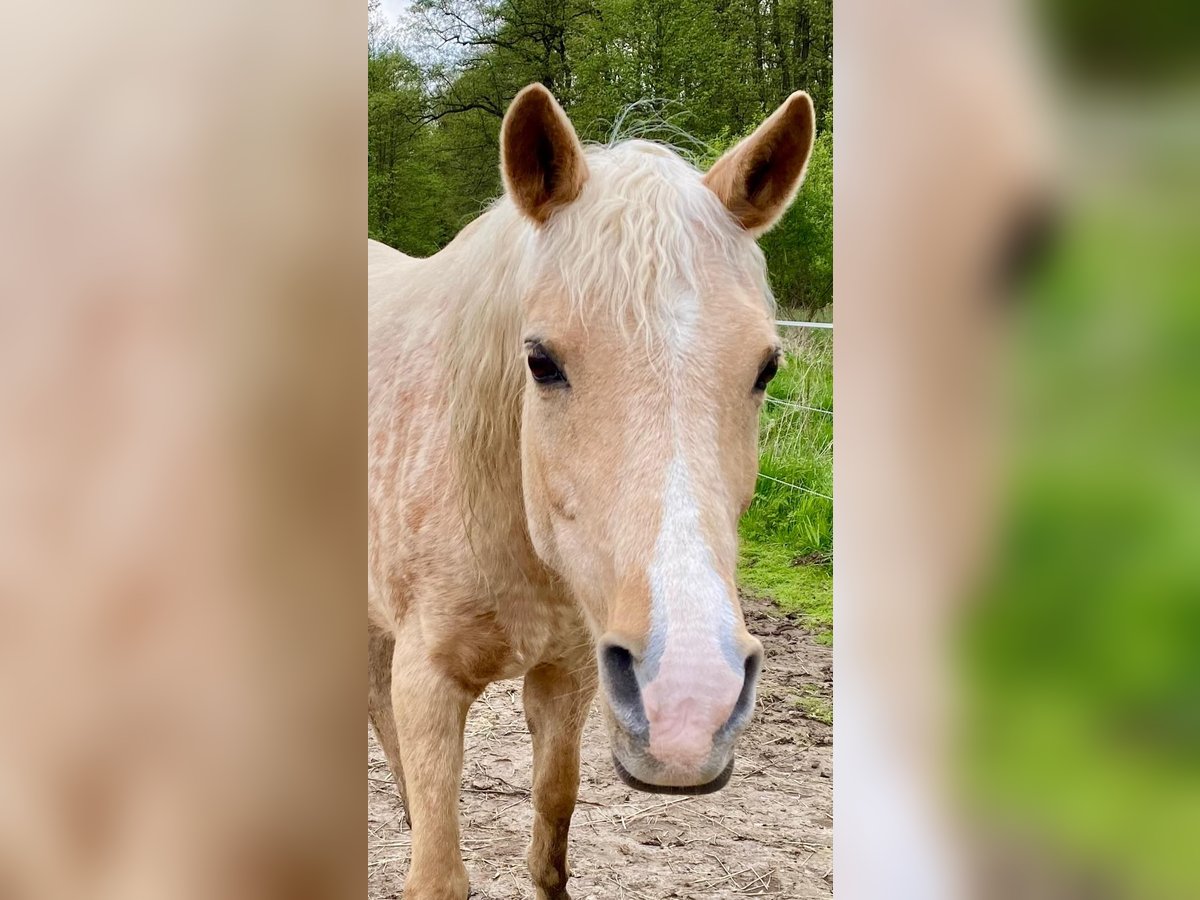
<point x="792" y="324"/>
<point x="790" y="404"/>
<point x="798" y="487"/>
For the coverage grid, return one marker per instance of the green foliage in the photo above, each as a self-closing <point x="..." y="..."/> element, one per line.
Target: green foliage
<point x="404" y="192"/>
<point x="796" y="447"/>
<point x="799" y="248"/>
<point x="770" y="568"/>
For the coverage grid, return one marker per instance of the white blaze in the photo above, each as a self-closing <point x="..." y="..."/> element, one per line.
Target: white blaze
<point x="693" y="688"/>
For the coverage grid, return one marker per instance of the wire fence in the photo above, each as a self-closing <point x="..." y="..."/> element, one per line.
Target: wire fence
<point x="792" y="324"/>
<point x="798" y="487"/>
<point x="802" y="407"/>
<point x="790" y="405"/>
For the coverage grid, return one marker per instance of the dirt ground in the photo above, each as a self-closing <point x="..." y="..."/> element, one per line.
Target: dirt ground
<point x="768" y="834"/>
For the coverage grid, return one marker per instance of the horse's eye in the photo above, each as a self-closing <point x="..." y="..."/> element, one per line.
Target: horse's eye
<point x="544" y="369"/>
<point x="766" y="374"/>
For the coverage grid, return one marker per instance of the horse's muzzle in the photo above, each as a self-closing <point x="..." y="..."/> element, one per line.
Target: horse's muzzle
<point x="710" y="787"/>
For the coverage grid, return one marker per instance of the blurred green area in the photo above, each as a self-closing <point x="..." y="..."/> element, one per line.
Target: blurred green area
<point x="787" y="534"/>
<point x="1151" y="43"/>
<point x="1084" y="654"/>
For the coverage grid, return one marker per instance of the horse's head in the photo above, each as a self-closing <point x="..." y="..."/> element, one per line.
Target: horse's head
<point x="649" y="339"/>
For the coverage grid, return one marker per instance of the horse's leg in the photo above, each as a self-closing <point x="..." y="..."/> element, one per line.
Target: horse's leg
<point x="557" y="700"/>
<point x="380" y="647"/>
<point x="431" y="716"/>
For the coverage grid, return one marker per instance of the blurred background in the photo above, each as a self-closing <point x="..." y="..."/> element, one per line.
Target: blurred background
<point x="182" y="504"/>
<point x="1082" y="650"/>
<point x="1015" y="458"/>
<point x="1018" y="450"/>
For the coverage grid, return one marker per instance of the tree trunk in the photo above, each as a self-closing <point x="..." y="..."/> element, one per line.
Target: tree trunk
<point x="760" y="71"/>
<point x="781" y="55"/>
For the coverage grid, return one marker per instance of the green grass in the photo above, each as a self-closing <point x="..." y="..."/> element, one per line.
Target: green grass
<point x="813" y="705"/>
<point x="787" y="534"/>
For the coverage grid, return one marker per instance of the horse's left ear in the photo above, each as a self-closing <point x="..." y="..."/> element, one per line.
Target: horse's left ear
<point x="540" y="156"/>
<point x="758" y="178"/>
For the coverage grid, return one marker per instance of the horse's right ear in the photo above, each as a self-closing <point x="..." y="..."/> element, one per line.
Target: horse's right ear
<point x="758" y="178"/>
<point x="540" y="156"/>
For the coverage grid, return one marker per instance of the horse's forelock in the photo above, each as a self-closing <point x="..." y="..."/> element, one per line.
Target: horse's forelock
<point x="644" y="233"/>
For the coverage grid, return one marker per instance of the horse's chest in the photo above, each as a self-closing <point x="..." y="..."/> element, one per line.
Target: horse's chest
<point x="537" y="631"/>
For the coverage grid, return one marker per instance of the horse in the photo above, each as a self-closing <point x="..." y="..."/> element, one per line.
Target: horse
<point x="562" y="438"/>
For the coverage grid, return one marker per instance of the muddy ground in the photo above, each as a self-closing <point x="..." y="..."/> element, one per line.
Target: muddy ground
<point x="768" y="834"/>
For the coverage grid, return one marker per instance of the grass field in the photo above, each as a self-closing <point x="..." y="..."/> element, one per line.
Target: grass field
<point x="787" y="534"/>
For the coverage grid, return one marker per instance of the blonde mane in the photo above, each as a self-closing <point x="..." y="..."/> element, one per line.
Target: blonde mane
<point x="643" y="234"/>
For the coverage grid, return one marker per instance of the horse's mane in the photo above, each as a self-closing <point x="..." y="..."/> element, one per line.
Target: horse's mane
<point x="644" y="231"/>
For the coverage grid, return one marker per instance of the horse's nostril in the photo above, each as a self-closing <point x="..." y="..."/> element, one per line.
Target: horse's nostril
<point x="744" y="708"/>
<point x="620" y="674"/>
<point x="753" y="665"/>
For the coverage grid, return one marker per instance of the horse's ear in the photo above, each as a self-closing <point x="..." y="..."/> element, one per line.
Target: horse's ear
<point x="540" y="156"/>
<point x="758" y="178"/>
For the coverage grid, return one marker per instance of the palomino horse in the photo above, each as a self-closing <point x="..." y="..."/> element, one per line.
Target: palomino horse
<point x="563" y="434"/>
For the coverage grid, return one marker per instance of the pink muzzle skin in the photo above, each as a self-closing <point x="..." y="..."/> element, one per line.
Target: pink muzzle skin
<point x="686" y="707"/>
